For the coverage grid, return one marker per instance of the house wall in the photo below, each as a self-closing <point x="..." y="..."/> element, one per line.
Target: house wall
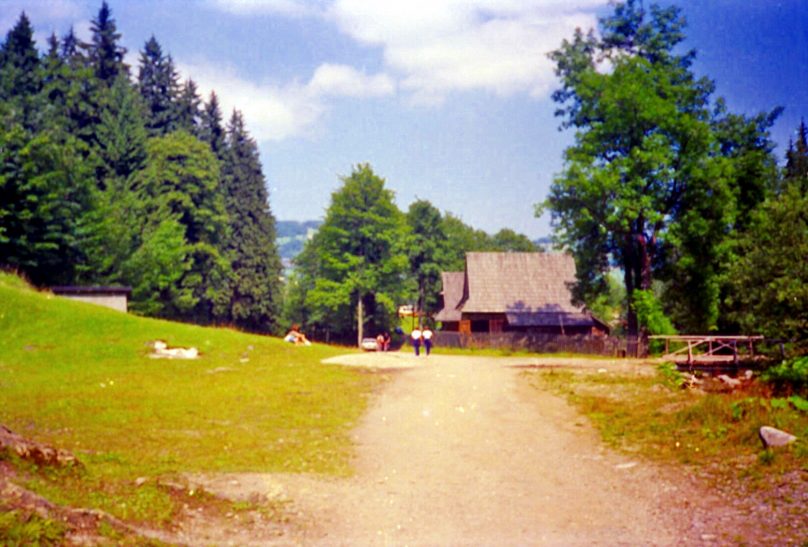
<point x="115" y="302"/>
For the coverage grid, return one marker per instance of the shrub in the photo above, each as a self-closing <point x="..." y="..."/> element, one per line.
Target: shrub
<point x="790" y="376"/>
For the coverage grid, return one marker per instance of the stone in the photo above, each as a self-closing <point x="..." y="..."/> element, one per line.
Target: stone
<point x="771" y="436"/>
<point x="732" y="382"/>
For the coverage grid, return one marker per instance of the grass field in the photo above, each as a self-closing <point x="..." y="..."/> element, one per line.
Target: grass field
<point x="79" y="377"/>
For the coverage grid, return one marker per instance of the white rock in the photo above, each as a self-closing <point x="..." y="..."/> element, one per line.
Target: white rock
<point x="771" y="436"/>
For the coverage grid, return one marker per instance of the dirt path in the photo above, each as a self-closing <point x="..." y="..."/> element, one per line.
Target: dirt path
<point x="458" y="450"/>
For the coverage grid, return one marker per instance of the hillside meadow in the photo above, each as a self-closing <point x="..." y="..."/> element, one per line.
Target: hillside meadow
<point x="79" y="377"/>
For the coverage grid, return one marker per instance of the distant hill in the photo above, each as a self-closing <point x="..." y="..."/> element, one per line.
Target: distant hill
<point x="545" y="243"/>
<point x="292" y="235"/>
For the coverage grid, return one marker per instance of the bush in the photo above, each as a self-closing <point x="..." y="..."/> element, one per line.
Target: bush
<point x="790" y="376"/>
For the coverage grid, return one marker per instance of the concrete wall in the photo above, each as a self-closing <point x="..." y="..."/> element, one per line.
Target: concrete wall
<point x="116" y="302"/>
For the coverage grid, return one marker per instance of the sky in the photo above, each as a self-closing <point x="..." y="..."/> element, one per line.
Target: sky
<point x="447" y="100"/>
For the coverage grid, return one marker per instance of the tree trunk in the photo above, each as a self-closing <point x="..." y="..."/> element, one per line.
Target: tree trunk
<point x="360" y="320"/>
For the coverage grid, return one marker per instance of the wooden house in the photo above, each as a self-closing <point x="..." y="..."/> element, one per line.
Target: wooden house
<point x="516" y="292"/>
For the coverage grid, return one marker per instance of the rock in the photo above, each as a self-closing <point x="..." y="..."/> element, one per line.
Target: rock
<point x="30" y="450"/>
<point x="771" y="436"/>
<point x="732" y="382"/>
<point x="162" y="351"/>
<point x="140" y="481"/>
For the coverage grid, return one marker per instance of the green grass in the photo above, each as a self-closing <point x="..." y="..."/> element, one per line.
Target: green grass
<point x="79" y="377"/>
<point x="654" y="417"/>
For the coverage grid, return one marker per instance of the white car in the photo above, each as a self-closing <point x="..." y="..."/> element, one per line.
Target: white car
<point x="369" y="344"/>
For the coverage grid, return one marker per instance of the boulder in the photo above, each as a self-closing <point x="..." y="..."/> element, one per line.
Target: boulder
<point x="771" y="436"/>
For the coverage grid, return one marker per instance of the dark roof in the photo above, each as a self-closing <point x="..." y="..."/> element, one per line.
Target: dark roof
<point x="452" y="295"/>
<point x="519" y="283"/>
<point x="91" y="290"/>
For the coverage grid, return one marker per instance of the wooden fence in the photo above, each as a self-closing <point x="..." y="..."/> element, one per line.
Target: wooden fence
<point x="540" y="343"/>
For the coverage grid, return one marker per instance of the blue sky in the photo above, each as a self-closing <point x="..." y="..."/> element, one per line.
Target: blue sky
<point x="448" y="100"/>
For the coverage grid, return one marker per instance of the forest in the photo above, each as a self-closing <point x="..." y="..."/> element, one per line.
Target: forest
<point x="678" y="212"/>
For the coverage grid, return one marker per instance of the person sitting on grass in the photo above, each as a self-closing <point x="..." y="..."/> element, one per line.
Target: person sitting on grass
<point x="294" y="336"/>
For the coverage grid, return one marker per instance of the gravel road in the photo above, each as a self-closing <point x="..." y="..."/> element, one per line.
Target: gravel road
<point x="460" y="451"/>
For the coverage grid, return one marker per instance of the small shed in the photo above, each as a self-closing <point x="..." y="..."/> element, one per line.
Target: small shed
<point x="116" y="298"/>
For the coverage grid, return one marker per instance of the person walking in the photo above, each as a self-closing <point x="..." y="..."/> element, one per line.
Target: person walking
<point x="426" y="335"/>
<point x="416" y="340"/>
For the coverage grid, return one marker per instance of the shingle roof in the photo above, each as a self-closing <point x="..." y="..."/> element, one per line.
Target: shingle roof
<point x="452" y="295"/>
<point x="519" y="283"/>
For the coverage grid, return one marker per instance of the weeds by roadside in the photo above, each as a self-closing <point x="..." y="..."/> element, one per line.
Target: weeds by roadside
<point x="711" y="435"/>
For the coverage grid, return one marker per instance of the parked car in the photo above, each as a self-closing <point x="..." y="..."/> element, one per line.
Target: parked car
<point x="369" y="344"/>
<point x="406" y="311"/>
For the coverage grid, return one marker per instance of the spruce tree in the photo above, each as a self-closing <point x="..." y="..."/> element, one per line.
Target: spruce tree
<point x="105" y="53"/>
<point x="189" y="109"/>
<point x="120" y="135"/>
<point x="211" y="130"/>
<point x="797" y="156"/>
<point x="255" y="283"/>
<point x="20" y="76"/>
<point x="46" y="195"/>
<point x="159" y="87"/>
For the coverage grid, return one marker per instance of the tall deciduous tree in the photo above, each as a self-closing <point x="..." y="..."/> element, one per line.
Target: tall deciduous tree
<point x="426" y="249"/>
<point x="255" y="288"/>
<point x="354" y="266"/>
<point x="645" y="179"/>
<point x="180" y="183"/>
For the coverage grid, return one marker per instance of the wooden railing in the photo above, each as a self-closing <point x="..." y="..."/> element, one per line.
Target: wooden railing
<point x="709" y="349"/>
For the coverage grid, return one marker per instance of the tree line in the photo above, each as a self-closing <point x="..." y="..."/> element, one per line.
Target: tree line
<point x="118" y="175"/>
<point x="666" y="186"/>
<point x="111" y="174"/>
<point x="368" y="257"/>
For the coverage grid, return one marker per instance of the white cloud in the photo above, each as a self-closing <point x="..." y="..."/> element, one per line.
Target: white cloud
<point x="342" y="80"/>
<point x="277" y="112"/>
<point x="441" y="46"/>
<point x="436" y="47"/>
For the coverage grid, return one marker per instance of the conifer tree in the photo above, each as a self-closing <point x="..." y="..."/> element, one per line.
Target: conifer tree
<point x="255" y="283"/>
<point x="797" y="156"/>
<point x="212" y="131"/>
<point x="159" y="87"/>
<point x="189" y="109"/>
<point x="20" y="77"/>
<point x="121" y="135"/>
<point x="46" y="195"/>
<point x="105" y="54"/>
<point x="71" y="47"/>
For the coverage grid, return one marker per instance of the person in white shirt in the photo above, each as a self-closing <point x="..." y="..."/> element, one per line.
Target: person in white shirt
<point x="416" y="340"/>
<point x="426" y="335"/>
